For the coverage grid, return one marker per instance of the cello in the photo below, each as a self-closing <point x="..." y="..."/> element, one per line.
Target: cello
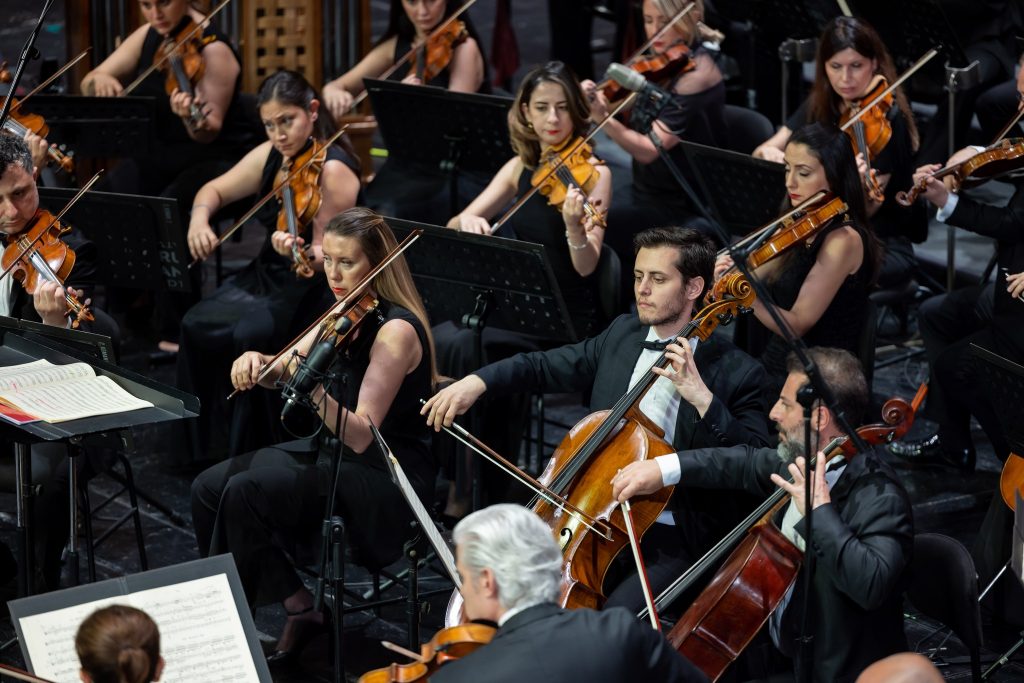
<point x="755" y="578"/>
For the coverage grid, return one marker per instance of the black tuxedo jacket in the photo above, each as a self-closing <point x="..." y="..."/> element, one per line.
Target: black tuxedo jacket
<point x="604" y="365"/>
<point x="82" y="276"/>
<point x="546" y="643"/>
<point x="862" y="541"/>
<point x="737" y="414"/>
<point x="1006" y="225"/>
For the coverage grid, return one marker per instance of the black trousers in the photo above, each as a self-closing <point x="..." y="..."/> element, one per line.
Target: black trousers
<point x="949" y="324"/>
<point x="263" y="506"/>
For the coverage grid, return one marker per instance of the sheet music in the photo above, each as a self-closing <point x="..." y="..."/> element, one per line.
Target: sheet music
<point x="201" y="634"/>
<point x="444" y="552"/>
<point x="17" y="377"/>
<point x="72" y="399"/>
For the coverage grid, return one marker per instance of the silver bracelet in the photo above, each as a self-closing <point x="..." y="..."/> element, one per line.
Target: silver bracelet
<point x="577" y="247"/>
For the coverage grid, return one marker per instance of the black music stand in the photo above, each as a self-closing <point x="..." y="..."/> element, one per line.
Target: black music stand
<point x="98" y="346"/>
<point x="438" y="129"/>
<point x="140" y="240"/>
<point x="743" y="193"/>
<point x="478" y="281"/>
<point x="98" y="126"/>
<point x="168" y="404"/>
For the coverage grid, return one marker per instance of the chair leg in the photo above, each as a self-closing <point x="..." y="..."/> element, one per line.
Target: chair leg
<point x="136" y="517"/>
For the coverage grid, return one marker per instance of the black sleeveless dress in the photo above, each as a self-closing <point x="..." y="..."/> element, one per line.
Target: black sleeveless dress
<point x="259" y="504"/>
<point x="259" y="309"/>
<point x="841" y="323"/>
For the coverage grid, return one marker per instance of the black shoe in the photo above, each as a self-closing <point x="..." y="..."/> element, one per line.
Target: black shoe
<point x="925" y="450"/>
<point x="963" y="459"/>
<point x="306" y="631"/>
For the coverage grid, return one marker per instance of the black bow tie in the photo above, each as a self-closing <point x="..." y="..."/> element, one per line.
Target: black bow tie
<point x="655" y="345"/>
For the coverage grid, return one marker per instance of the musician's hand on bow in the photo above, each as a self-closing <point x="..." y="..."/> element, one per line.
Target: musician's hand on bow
<point x="637" y="479"/>
<point x="467" y="222"/>
<point x="412" y="79"/>
<point x="202" y="240"/>
<point x="37" y="147"/>
<point x="102" y="85"/>
<point x="1015" y="285"/>
<point x="770" y="153"/>
<point x="599" y="106"/>
<point x="452" y="401"/>
<point x="795" y="488"/>
<point x="722" y="264"/>
<point x="282" y="242"/>
<point x="50" y="303"/>
<point x="683" y="373"/>
<point x="337" y="100"/>
<point x="245" y="371"/>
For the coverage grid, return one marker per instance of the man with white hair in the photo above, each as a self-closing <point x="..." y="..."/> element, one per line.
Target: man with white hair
<point x="511" y="567"/>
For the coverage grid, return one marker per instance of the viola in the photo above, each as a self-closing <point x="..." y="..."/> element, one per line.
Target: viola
<point x="564" y="167"/>
<point x="871" y="132"/>
<point x="668" y="65"/>
<point x="447" y="644"/>
<point x="183" y="66"/>
<point x="38" y="255"/>
<point x="300" y="199"/>
<point x="1005" y="156"/>
<point x="757" y="575"/>
<point x="434" y="55"/>
<point x="19" y="124"/>
<point x="796" y="228"/>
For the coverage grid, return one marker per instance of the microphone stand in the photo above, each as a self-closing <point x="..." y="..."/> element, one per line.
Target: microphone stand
<point x="821" y="389"/>
<point x="28" y="52"/>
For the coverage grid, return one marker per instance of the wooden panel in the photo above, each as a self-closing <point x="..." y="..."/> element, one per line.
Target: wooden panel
<point x="281" y="34"/>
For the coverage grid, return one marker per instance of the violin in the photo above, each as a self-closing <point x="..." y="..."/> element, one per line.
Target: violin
<point x="1005" y="156"/>
<point x="666" y="66"/>
<point x="1011" y="480"/>
<point x="19" y="124"/>
<point x="565" y="167"/>
<point x="755" y="578"/>
<point x="447" y="644"/>
<point x="434" y="55"/>
<point x="183" y="66"/>
<point x="38" y="255"/>
<point x="300" y="199"/>
<point x="871" y="132"/>
<point x="794" y="228"/>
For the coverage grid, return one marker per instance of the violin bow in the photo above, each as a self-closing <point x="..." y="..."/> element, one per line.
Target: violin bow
<point x="408" y="55"/>
<point x="462" y="435"/>
<point x="56" y="219"/>
<point x="645" y="584"/>
<point x="925" y="58"/>
<point x="188" y="36"/>
<point x="559" y="164"/>
<point x="662" y="31"/>
<point x="340" y="306"/>
<point x="270" y="195"/>
<point x="56" y="74"/>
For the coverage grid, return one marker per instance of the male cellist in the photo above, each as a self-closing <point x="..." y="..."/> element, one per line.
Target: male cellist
<point x="511" y="569"/>
<point x="717" y="401"/>
<point x="862" y="529"/>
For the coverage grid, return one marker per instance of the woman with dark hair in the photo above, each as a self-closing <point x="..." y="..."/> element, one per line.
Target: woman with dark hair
<point x="119" y="644"/>
<point x="851" y="57"/>
<point x="243" y="505"/>
<point x="695" y="114"/>
<point x="185" y="153"/>
<point x="820" y="289"/>
<point x="266" y="302"/>
<point x="409" y="24"/>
